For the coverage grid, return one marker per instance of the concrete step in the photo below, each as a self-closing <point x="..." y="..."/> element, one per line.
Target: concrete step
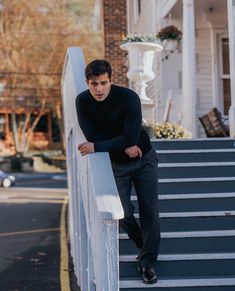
<point x="196" y="221"/>
<point x="186" y="242"/>
<point x="181" y="284"/>
<point x="184" y="265"/>
<point x="40" y="166"/>
<point x="59" y="161"/>
<point x="200" y="143"/>
<point x="197" y="218"/>
<point x="207" y="202"/>
<point x="196" y="185"/>
<point x="196" y="155"/>
<point x="196" y="170"/>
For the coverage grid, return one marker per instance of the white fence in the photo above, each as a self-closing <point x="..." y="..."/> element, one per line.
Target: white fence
<point x="94" y="204"/>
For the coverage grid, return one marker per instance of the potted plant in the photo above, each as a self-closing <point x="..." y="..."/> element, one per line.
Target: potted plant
<point x="138" y="37"/>
<point x="141" y="48"/>
<point x="170" y="37"/>
<point x="167" y="130"/>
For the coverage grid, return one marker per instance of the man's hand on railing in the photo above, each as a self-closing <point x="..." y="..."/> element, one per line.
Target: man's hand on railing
<point x="86" y="148"/>
<point x="133" y="151"/>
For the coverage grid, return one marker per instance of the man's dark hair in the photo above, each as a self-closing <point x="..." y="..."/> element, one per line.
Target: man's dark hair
<point x="97" y="68"/>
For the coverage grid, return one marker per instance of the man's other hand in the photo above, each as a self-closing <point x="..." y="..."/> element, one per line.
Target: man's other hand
<point x="86" y="148"/>
<point x="133" y="151"/>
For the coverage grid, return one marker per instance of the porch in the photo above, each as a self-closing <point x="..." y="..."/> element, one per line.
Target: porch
<point x="197" y="75"/>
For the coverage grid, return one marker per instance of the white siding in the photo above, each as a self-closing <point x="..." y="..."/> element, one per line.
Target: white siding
<point x="171" y="74"/>
<point x="203" y="75"/>
<point x="146" y="20"/>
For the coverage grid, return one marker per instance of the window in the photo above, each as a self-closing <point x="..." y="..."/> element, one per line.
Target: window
<point x="135" y="10"/>
<point x="2" y="126"/>
<point x="139" y="6"/>
<point x="225" y="74"/>
<point x="42" y="125"/>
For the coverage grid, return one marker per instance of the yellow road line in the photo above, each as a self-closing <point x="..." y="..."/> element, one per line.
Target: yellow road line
<point x="64" y="258"/>
<point x="28" y="231"/>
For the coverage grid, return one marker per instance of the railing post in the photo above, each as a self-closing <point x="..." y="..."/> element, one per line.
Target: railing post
<point x="111" y="260"/>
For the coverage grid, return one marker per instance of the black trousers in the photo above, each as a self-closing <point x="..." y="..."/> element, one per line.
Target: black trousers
<point x="141" y="173"/>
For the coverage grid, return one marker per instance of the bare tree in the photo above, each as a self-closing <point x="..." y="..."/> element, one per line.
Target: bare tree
<point x="34" y="36"/>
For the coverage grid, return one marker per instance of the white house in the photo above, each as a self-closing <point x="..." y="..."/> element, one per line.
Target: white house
<point x="198" y="74"/>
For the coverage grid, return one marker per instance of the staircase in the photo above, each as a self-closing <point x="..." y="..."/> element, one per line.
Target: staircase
<point x="40" y="165"/>
<point x="197" y="212"/>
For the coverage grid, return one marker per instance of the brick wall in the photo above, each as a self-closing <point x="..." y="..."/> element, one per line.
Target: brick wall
<point x="115" y="25"/>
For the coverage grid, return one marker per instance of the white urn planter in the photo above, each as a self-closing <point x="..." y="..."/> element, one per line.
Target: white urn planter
<point x="141" y="55"/>
<point x="170" y="44"/>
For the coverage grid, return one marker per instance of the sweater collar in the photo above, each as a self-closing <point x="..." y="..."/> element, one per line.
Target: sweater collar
<point x="106" y="101"/>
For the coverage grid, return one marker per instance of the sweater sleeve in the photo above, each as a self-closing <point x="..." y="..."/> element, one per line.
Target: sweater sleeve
<point x="131" y="127"/>
<point x="87" y="125"/>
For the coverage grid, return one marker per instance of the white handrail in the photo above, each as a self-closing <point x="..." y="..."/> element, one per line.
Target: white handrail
<point x="94" y="204"/>
<point x="107" y="198"/>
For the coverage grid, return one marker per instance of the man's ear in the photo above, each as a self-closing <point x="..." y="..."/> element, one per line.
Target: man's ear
<point x="87" y="81"/>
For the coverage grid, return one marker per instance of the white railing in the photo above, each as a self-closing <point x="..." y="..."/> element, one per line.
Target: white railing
<point x="94" y="204"/>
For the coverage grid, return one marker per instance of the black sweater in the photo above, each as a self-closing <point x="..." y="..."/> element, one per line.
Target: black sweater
<point x="113" y="124"/>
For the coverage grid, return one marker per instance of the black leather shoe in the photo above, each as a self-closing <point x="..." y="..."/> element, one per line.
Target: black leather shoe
<point x="139" y="267"/>
<point x="149" y="276"/>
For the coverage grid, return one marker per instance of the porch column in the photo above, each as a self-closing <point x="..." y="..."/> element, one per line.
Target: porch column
<point x="189" y="88"/>
<point x="231" y="30"/>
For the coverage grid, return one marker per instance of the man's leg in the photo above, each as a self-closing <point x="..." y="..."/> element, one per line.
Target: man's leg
<point x="124" y="185"/>
<point x="145" y="182"/>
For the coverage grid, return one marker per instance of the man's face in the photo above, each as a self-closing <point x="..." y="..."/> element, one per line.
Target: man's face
<point x="99" y="86"/>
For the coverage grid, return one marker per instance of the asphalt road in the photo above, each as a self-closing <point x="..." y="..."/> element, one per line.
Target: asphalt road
<point x="41" y="180"/>
<point x="31" y="228"/>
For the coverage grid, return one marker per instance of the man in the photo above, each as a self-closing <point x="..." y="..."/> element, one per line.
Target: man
<point x="110" y="118"/>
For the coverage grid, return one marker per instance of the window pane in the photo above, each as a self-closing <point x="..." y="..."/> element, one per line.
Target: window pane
<point x="227" y="95"/>
<point x="2" y="126"/>
<point x="42" y="123"/>
<point x="139" y="6"/>
<point x="225" y="55"/>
